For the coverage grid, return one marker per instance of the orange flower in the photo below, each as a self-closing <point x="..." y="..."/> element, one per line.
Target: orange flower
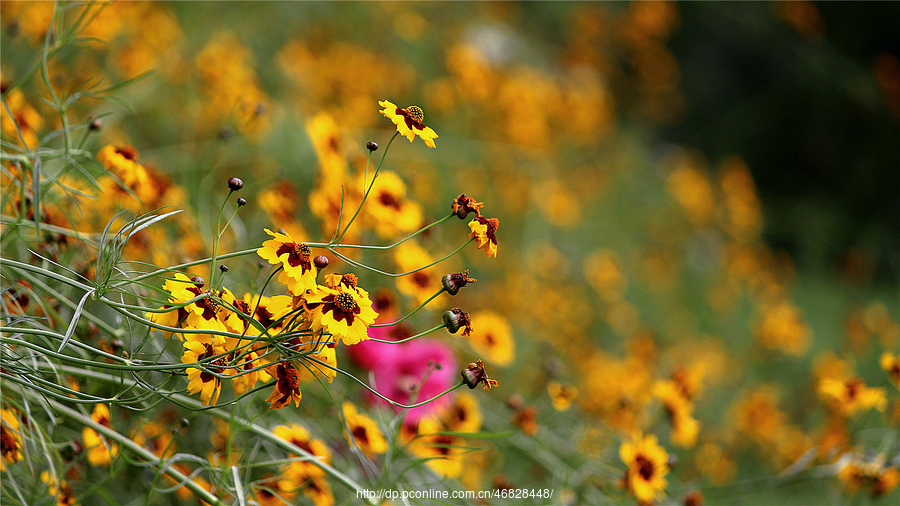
<point x="287" y="385"/>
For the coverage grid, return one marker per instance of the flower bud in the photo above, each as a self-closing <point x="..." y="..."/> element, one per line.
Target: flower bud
<point x="470" y="377"/>
<point x="96" y="124"/>
<point x="223" y="268"/>
<point x="456" y="319"/>
<point x="453" y="282"/>
<point x="242" y="201"/>
<point x="235" y="184"/>
<point x="371" y="146"/>
<point x="463" y="205"/>
<point x="321" y="261"/>
<point x="198" y="281"/>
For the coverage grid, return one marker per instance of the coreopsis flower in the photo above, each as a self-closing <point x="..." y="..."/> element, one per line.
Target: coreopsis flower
<point x="891" y="365"/>
<point x="443" y="452"/>
<point x="287" y="385"/>
<point x="24" y="116"/>
<point x="60" y="489"/>
<point x="10" y="439"/>
<point x="299" y="437"/>
<point x="852" y="395"/>
<point x="157" y="438"/>
<point x="871" y="474"/>
<point x="648" y="464"/>
<point x="344" y="312"/>
<point x="299" y="273"/>
<point x="561" y="395"/>
<point x="484" y="231"/>
<point x="475" y="374"/>
<point x="409" y="122"/>
<point x="493" y="339"/>
<point x="463" y="415"/>
<point x="311" y="481"/>
<point x="679" y="408"/>
<point x="201" y="380"/>
<point x="525" y="418"/>
<point x="387" y="207"/>
<point x="275" y="491"/>
<point x="99" y="450"/>
<point x="423" y="283"/>
<point x="362" y="432"/>
<point x="243" y="383"/>
<point x="122" y="161"/>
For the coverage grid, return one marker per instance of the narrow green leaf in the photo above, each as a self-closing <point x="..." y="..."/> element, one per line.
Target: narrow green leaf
<point x="75" y="317"/>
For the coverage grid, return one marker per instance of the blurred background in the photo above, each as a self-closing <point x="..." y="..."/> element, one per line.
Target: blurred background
<point x="703" y="192"/>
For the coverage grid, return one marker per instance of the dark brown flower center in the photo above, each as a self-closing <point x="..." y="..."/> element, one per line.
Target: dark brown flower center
<point x="645" y="467"/>
<point x="289" y="377"/>
<point x="7" y="443"/>
<point x="345" y="302"/>
<point x="415" y="113"/>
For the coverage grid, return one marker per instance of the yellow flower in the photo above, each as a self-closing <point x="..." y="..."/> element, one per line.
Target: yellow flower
<point x="201" y="380"/>
<point x="10" y="439"/>
<point x="484" y="231"/>
<point x="423" y="283"/>
<point x="409" y="122"/>
<point x="99" y="451"/>
<point x="464" y="415"/>
<point x="361" y="431"/>
<point x="64" y="495"/>
<point x="492" y="338"/>
<point x="299" y="437"/>
<point x="299" y="273"/>
<point x="561" y="395"/>
<point x="647" y="467"/>
<point x="859" y="473"/>
<point x="852" y="395"/>
<point x="443" y="452"/>
<point x="388" y="207"/>
<point x="344" y="312"/>
<point x="679" y="408"/>
<point x="287" y="385"/>
<point x="891" y="365"/>
<point x="25" y="117"/>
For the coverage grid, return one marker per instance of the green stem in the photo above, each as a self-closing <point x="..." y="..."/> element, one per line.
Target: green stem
<point x="160" y="464"/>
<point x="366" y="194"/>
<point x="411" y="337"/>
<point x="227" y="415"/>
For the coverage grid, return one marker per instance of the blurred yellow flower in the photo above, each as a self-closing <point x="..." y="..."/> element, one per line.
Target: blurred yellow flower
<point x="871" y="474"/>
<point x="851" y="395"/>
<point x="64" y="495"/>
<point x="492" y="338"/>
<point x="10" y="439"/>
<point x="890" y="364"/>
<point x="99" y="450"/>
<point x="409" y="122"/>
<point x="362" y="432"/>
<point x="648" y="464"/>
<point x="561" y="395"/>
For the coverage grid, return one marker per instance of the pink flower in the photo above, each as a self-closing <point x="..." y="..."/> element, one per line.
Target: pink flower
<point x="399" y="375"/>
